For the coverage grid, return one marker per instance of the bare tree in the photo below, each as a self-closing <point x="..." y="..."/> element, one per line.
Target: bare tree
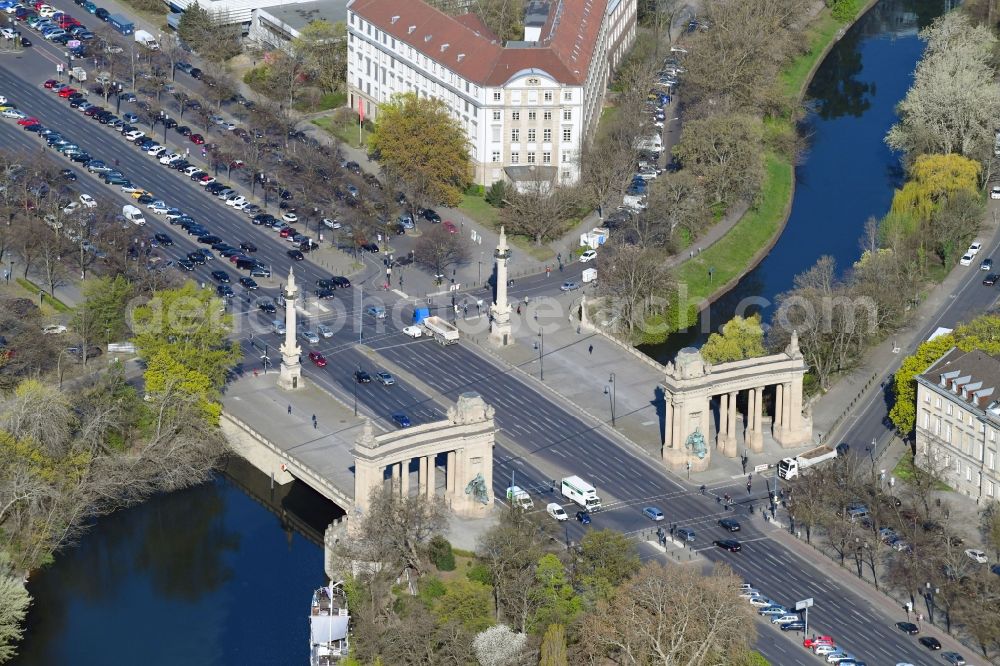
<point x="539" y="209"/>
<point x="630" y="277"/>
<point x="438" y="250"/>
<point x="395" y="530"/>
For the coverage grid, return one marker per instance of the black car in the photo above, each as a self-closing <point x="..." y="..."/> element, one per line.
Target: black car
<point x="266" y="306"/>
<point x="431" y="216"/>
<point x="184" y="130"/>
<point x="248" y="283"/>
<point x="908" y="628"/>
<point x="225" y="291"/>
<point x="296" y="255"/>
<point x="68" y="174"/>
<point x="221" y="276"/>
<point x="325" y="294"/>
<point x="326" y="284"/>
<point x="195" y="72"/>
<point x="795" y="625"/>
<point x="731" y="545"/>
<point x="729" y="524"/>
<point x="362" y="377"/>
<point x="210" y="239"/>
<point x="145" y="199"/>
<point x="930" y="642"/>
<point x="247" y="246"/>
<point x="341" y="281"/>
<point x="163" y="240"/>
<point x="196" y="258"/>
<point x="186" y="264"/>
<point x="102" y="13"/>
<point x="991" y="279"/>
<point x="370" y="247"/>
<point x="80" y="157"/>
<point x="170" y="123"/>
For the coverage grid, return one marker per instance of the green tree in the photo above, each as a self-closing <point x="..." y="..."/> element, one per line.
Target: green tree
<point x="740" y="339"/>
<point x="214" y="39"/>
<point x="932" y="179"/>
<point x="553" y="649"/>
<point x="556" y="600"/>
<point x="322" y="48"/>
<point x="418" y="138"/>
<point x="606" y="559"/>
<point x="980" y="333"/>
<point x="440" y="554"/>
<point x="14" y="602"/>
<point x="465" y="602"/>
<point x="181" y="334"/>
<point x="101" y="316"/>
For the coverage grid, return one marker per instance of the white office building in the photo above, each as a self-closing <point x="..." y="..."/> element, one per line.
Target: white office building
<point x="527" y="107"/>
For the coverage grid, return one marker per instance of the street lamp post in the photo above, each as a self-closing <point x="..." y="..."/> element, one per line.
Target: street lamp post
<point x="612" y="392"/>
<point x="929" y="593"/>
<point x="164" y="120"/>
<point x="59" y="364"/>
<point x="540" y="347"/>
<point x="356" y="393"/>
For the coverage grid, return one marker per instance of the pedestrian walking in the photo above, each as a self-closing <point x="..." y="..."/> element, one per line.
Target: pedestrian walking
<point x="289" y="409"/>
<point x="702" y="489"/>
<point x="548" y="271"/>
<point x="748" y="487"/>
<point x="744" y="461"/>
<point x="518" y="309"/>
<point x="314" y="422"/>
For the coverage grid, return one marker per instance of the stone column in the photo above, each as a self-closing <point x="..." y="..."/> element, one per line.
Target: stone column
<point x="500" y="327"/>
<point x="290" y="374"/>
<point x="756" y="439"/>
<point x="395" y="477"/>
<point x="778" y="422"/>
<point x="730" y="451"/>
<point x="450" y="475"/>
<point x="431" y="475"/>
<point x="786" y="408"/>
<point x="422" y="476"/>
<point x="720" y="440"/>
<point x="676" y="441"/>
<point x="404" y="479"/>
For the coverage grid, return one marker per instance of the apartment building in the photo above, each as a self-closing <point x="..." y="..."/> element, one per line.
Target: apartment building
<point x="958" y="418"/>
<point x="527" y="107"/>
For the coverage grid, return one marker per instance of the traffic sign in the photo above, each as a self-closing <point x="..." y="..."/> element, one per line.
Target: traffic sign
<point x="804" y="604"/>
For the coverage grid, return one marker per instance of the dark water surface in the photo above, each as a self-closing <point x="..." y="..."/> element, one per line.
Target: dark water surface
<point x="847" y="174"/>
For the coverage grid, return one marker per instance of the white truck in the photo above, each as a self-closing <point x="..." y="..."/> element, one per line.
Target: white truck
<point x="789" y="468"/>
<point x="444" y="332"/>
<point x="133" y="215"/>
<point x="78" y="74"/>
<point x="146" y="39"/>
<point x="520" y="498"/>
<point x="580" y="492"/>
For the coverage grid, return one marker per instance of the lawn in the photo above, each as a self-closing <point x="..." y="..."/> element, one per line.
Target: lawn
<point x="346" y="132"/>
<point x="476" y="207"/>
<point x="325" y="103"/>
<point x="905" y="472"/>
<point x="34" y="289"/>
<point x="819" y="35"/>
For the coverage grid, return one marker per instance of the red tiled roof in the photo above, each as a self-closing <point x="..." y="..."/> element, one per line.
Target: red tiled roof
<point x="474" y="23"/>
<point x="565" y="52"/>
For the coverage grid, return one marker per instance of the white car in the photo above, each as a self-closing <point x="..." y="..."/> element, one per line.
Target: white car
<point x="589" y="255"/>
<point x="413" y="331"/>
<point x="134" y="134"/>
<point x="760" y="602"/>
<point x="556" y="512"/>
<point x="13" y="113"/>
<point x="324" y="331"/>
<point x="995" y="192"/>
<point x="749" y="593"/>
<point x="966" y="259"/>
<point x="133" y="189"/>
<point x="71" y="207"/>
<point x="823" y="650"/>
<point x="54" y="329"/>
<point x="237" y="201"/>
<point x="158" y="207"/>
<point x="785" y="618"/>
<point x="88" y="201"/>
<point x="289" y="217"/>
<point x="977" y="556"/>
<point x="3" y="100"/>
<point x="975" y="248"/>
<point x="156" y="151"/>
<point x="172" y="157"/>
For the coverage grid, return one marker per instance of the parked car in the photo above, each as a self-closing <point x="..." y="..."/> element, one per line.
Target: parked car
<point x="653" y="513"/>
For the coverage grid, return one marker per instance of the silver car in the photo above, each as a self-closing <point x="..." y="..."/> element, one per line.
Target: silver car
<point x="324" y="331"/>
<point x="309" y="336"/>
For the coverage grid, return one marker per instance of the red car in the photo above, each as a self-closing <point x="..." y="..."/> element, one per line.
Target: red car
<point x="24" y="122"/>
<point x="450" y="226"/>
<point x="66" y="92"/>
<point x="50" y="84"/>
<point x="197" y="139"/>
<point x="815" y="641"/>
<point x="318" y="359"/>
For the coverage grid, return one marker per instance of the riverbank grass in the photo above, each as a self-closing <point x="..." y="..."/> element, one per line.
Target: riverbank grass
<point x="819" y="35"/>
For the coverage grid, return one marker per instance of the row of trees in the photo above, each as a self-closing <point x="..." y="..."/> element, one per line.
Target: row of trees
<point x="904" y="544"/>
<point x="523" y="599"/>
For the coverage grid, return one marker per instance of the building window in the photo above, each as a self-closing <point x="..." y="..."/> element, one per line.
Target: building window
<point x="534" y="82"/>
<point x="496" y="155"/>
<point x="548" y="95"/>
<point x="496" y="115"/>
<point x="565" y="174"/>
<point x="531" y="135"/>
<point x="927" y="397"/>
<point x="927" y="416"/>
<point x="937" y="403"/>
<point x="547" y="115"/>
<point x="567" y="114"/>
<point x="565" y="157"/>
<point x="993" y="434"/>
<point x="531" y="157"/>
<point x="496" y="95"/>
<point x="947" y="409"/>
<point x="515" y="115"/>
<point x="567" y="134"/>
<point x="515" y="135"/>
<point x="989" y="488"/>
<point x="532" y="115"/>
<point x="567" y="95"/>
<point x="991" y="459"/>
<point x="546" y="158"/>
<point x="515" y="157"/>
<point x="968" y="473"/>
<point x="495" y="132"/>
<point x="947" y="433"/>
<point x="546" y="135"/>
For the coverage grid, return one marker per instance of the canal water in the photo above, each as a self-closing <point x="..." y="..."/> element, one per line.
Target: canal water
<point x="222" y="573"/>
<point x="846" y="174"/>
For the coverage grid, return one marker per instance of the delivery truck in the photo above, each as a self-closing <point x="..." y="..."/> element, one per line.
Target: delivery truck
<point x="121" y="24"/>
<point x="444" y="332"/>
<point x="520" y="498"/>
<point x="580" y="492"/>
<point x="133" y="215"/>
<point x="789" y="468"/>
<point x="146" y="39"/>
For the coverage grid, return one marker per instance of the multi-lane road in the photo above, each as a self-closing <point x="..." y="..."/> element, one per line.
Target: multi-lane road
<point x="541" y="437"/>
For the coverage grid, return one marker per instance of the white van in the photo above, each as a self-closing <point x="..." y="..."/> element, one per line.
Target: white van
<point x="556" y="512"/>
<point x="133" y="215"/>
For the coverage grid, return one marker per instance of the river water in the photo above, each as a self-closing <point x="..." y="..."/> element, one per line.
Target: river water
<point x="846" y="174"/>
<point x="213" y="575"/>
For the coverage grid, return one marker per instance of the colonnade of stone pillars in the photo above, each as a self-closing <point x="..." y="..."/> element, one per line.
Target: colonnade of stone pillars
<point x="426" y="475"/>
<point x="753" y="432"/>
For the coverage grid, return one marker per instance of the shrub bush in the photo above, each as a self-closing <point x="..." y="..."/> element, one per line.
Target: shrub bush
<point x="440" y="554"/>
<point x="496" y="194"/>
